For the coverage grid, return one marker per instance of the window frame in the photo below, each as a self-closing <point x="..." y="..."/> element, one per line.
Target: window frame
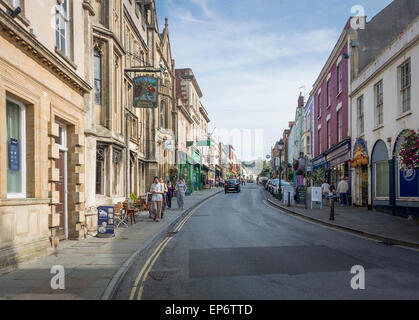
<point x="378" y="106"/>
<point x="340" y="78"/>
<point x="59" y="14"/>
<point x="329" y="92"/>
<point x="375" y="182"/>
<point x="100" y="56"/>
<point x="22" y="151"/>
<point x="329" y="133"/>
<point x="405" y="87"/>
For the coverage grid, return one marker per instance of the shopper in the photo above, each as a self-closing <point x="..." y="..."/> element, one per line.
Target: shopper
<point x="164" y="187"/>
<point x="170" y="191"/>
<point x="342" y="189"/>
<point x="157" y="199"/>
<point x="181" y="190"/>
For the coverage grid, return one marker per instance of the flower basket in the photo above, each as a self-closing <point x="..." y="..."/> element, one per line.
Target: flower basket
<point x="409" y="151"/>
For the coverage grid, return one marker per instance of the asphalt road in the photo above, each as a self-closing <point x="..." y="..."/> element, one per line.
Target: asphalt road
<point x="235" y="246"/>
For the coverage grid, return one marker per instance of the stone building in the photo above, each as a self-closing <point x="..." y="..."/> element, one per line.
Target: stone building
<point x="189" y="94"/>
<point x="43" y="87"/>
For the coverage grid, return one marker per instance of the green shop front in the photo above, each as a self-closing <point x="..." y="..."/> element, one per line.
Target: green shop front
<point x="190" y="169"/>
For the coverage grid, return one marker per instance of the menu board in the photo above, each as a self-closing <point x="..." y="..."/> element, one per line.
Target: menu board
<point x="106" y="222"/>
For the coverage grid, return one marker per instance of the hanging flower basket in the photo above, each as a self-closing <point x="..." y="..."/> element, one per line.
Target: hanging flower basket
<point x="409" y="151"/>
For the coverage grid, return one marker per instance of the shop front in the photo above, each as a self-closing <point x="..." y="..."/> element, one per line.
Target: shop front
<point x="338" y="158"/>
<point x="195" y="181"/>
<point x="360" y="179"/>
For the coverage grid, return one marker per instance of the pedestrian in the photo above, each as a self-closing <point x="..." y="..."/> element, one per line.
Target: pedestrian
<point x="342" y="189"/>
<point x="164" y="187"/>
<point x="181" y="189"/>
<point x="157" y="198"/>
<point x="170" y="191"/>
<point x="150" y="207"/>
<point x="325" y="189"/>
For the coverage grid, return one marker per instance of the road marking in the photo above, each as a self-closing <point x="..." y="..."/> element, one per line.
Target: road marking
<point x="156" y="253"/>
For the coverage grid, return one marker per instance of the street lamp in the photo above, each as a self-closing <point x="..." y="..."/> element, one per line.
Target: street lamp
<point x="280" y="146"/>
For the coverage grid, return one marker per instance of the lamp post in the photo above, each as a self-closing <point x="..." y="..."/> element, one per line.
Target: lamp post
<point x="280" y="146"/>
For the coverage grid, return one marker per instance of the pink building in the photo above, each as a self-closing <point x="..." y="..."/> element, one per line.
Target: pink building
<point x="331" y="126"/>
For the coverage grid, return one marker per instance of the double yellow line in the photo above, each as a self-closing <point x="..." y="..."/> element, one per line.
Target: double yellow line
<point x="142" y="276"/>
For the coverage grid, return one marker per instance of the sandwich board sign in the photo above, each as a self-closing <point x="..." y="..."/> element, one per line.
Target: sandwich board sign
<point x="316" y="196"/>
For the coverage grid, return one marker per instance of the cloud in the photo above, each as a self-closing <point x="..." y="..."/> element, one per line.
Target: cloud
<point x="248" y="71"/>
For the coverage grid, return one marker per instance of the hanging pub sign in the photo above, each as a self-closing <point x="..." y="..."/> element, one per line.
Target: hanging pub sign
<point x="145" y="92"/>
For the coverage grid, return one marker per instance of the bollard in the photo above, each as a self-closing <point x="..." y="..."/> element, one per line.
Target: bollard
<point x="289" y="199"/>
<point x="332" y="209"/>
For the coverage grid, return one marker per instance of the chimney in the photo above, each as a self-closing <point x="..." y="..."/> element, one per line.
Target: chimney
<point x="300" y="100"/>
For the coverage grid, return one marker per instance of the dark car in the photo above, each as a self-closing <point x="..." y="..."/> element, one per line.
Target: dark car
<point x="232" y="185"/>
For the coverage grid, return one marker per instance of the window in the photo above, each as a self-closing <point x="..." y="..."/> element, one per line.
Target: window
<point x="382" y="179"/>
<point x="329" y="134"/>
<point x="329" y="93"/>
<point x="360" y="115"/>
<point x="405" y="82"/>
<point x="319" y="140"/>
<point x="162" y="115"/>
<point x="100" y="169"/>
<point x="62" y="26"/>
<point x="15" y="3"/>
<point x="16" y="143"/>
<point x="340" y="77"/>
<point x="97" y="64"/>
<point x="319" y="105"/>
<point x="308" y="145"/>
<point x="339" y="125"/>
<point x="378" y="90"/>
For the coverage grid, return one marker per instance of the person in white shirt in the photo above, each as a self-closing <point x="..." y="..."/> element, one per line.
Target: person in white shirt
<point x="342" y="189"/>
<point x="157" y="199"/>
<point x="325" y="189"/>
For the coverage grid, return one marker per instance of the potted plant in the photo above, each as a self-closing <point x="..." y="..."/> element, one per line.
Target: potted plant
<point x="409" y="151"/>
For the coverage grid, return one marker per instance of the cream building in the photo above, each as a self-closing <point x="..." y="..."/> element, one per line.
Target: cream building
<point x="42" y="155"/>
<point x="384" y="104"/>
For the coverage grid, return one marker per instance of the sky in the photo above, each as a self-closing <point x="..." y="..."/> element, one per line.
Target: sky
<point x="253" y="58"/>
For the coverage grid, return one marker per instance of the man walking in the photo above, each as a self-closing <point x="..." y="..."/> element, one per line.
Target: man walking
<point x="342" y="189"/>
<point x="181" y="189"/>
<point x="157" y="198"/>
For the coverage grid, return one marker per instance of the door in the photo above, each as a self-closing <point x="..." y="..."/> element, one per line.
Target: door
<point x="364" y="185"/>
<point x="60" y="187"/>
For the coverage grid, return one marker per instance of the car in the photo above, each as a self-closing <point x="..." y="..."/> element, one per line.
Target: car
<point x="232" y="185"/>
<point x="274" y="183"/>
<point x="268" y="184"/>
<point x="283" y="184"/>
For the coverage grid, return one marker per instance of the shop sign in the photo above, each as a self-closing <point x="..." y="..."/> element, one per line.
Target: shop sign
<point x="106" y="222"/>
<point x="409" y="183"/>
<point x="204" y="143"/>
<point x="316" y="196"/>
<point x="14" y="155"/>
<point x="145" y="92"/>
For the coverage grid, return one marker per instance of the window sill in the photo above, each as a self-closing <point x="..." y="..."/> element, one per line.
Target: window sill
<point x="339" y="94"/>
<point x="378" y="128"/>
<point x="405" y="114"/>
<point x="67" y="59"/>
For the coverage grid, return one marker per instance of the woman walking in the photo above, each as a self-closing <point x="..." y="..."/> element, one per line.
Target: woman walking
<point x="164" y="187"/>
<point x="181" y="189"/>
<point x="157" y="198"/>
<point x="170" y="191"/>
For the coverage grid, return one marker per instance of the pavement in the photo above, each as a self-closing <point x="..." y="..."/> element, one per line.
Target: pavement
<point x="377" y="225"/>
<point x="236" y="246"/>
<point x="94" y="266"/>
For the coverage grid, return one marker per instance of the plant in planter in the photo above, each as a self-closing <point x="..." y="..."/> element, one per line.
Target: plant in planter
<point x="409" y="151"/>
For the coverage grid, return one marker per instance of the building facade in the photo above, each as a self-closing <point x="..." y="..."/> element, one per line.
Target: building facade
<point x="308" y="123"/>
<point x="42" y="155"/>
<point x="384" y="104"/>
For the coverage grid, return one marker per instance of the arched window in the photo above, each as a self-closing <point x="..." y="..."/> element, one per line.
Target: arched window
<point x="97" y="63"/>
<point x="380" y="171"/>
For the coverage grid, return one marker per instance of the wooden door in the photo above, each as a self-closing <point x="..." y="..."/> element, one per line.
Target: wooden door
<point x="60" y="186"/>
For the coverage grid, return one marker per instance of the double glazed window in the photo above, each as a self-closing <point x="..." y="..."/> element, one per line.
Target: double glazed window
<point x="16" y="150"/>
<point x="340" y="125"/>
<point x="378" y="89"/>
<point x="329" y="133"/>
<point x="405" y="82"/>
<point x="62" y="26"/>
<point x="329" y="93"/>
<point x="340" y="77"/>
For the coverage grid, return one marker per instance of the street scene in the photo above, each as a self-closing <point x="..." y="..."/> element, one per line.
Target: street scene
<point x="203" y="150"/>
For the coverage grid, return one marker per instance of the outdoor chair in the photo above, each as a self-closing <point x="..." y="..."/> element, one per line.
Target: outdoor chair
<point x="121" y="216"/>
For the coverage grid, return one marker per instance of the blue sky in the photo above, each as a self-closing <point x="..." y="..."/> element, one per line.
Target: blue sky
<point x="252" y="58"/>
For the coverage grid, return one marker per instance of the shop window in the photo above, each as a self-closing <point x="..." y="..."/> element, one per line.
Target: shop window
<point x="16" y="143"/>
<point x="382" y="179"/>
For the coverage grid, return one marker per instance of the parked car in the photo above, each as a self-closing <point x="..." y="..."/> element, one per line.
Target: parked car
<point x="283" y="184"/>
<point x="274" y="183"/>
<point x="232" y="185"/>
<point x="267" y="184"/>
